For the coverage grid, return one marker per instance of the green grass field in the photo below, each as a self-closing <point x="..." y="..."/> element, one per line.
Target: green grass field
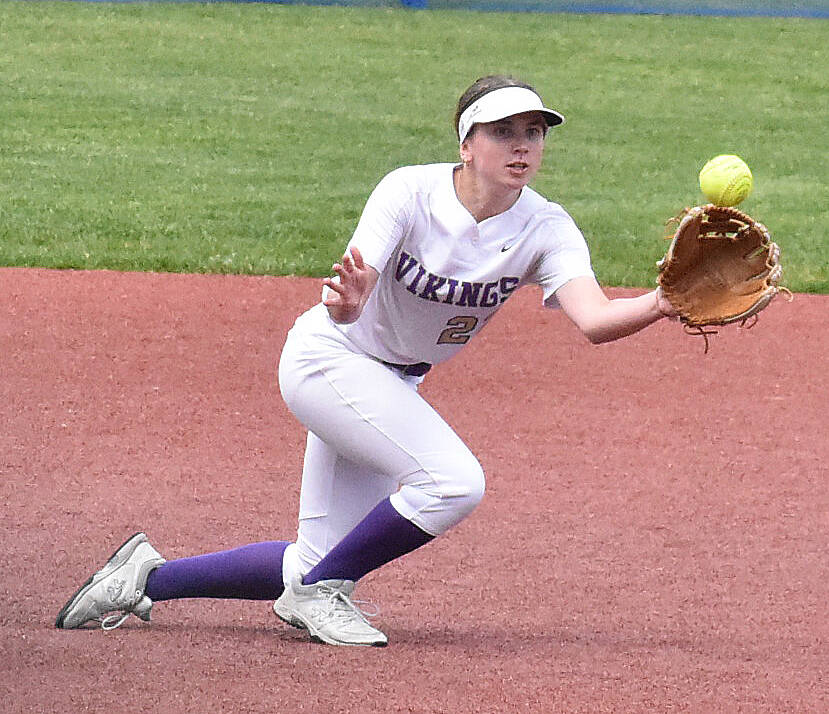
<point x="245" y="138"/>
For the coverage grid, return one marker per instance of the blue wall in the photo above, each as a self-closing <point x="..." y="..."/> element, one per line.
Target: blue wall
<point x="767" y="8"/>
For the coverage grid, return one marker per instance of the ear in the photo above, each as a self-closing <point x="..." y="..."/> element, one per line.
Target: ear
<point x="466" y="154"/>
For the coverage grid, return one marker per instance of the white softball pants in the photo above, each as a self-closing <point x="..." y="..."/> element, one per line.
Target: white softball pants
<point x="370" y="436"/>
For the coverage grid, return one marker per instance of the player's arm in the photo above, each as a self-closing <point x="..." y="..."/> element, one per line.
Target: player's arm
<point x="346" y="294"/>
<point x="604" y="320"/>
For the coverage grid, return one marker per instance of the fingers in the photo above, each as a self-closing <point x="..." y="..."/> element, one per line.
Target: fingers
<point x="334" y="285"/>
<point x="345" y="267"/>
<point x="346" y="277"/>
<point x="343" y="271"/>
<point x="359" y="263"/>
<point x="352" y="260"/>
<point x="349" y="288"/>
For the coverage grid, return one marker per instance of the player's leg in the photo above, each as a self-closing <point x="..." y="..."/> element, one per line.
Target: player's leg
<point x="336" y="494"/>
<point x="376" y="420"/>
<point x="136" y="576"/>
<point x="374" y="425"/>
<point x="249" y="572"/>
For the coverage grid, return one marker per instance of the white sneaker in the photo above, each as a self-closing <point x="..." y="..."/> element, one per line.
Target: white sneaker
<point x="118" y="587"/>
<point x="326" y="610"/>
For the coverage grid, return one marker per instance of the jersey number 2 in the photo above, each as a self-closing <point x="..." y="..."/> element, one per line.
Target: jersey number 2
<point x="458" y="330"/>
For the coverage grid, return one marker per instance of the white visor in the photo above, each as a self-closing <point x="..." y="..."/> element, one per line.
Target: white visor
<point x="503" y="103"/>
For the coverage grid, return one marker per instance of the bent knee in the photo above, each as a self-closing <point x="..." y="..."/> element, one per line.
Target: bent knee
<point x="462" y="485"/>
<point x="472" y="485"/>
<point x="436" y="502"/>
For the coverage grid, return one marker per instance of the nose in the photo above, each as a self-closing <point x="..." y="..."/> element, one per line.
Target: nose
<point x="521" y="143"/>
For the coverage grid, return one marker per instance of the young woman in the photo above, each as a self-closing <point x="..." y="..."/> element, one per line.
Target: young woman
<point x="437" y="251"/>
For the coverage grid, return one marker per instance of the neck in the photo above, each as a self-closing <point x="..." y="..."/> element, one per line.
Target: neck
<point x="480" y="200"/>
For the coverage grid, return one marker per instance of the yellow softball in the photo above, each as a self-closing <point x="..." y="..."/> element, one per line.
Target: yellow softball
<point x="726" y="180"/>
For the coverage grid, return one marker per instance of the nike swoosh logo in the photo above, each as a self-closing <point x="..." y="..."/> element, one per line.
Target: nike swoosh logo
<point x="505" y="248"/>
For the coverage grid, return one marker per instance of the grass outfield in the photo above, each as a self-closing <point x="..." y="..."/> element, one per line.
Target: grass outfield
<point x="245" y="138"/>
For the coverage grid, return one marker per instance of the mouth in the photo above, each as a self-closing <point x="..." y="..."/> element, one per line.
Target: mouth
<point x="518" y="166"/>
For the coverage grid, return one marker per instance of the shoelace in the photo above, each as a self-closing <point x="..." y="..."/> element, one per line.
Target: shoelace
<point x="345" y="609"/>
<point x="119" y="617"/>
<point x="112" y="622"/>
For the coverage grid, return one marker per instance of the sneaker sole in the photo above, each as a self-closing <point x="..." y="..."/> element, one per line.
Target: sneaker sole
<point x="121" y="555"/>
<point x="318" y="639"/>
<point x="288" y="619"/>
<point x="300" y="624"/>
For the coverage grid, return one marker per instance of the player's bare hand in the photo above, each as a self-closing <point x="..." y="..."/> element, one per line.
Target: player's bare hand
<point x="348" y="292"/>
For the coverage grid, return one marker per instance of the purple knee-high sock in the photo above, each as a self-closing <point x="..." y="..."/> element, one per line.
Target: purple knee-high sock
<point x="252" y="572"/>
<point x="381" y="536"/>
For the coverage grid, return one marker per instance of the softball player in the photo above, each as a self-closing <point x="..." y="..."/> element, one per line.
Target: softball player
<point x="437" y="251"/>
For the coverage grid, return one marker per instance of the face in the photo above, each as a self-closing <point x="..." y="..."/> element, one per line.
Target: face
<point x="507" y="152"/>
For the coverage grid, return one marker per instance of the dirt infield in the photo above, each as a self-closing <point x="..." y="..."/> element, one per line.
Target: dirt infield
<point x="654" y="535"/>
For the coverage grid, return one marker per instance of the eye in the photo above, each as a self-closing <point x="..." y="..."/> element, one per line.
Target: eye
<point x="535" y="133"/>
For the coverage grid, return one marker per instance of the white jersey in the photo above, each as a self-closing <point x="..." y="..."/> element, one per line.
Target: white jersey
<point x="442" y="274"/>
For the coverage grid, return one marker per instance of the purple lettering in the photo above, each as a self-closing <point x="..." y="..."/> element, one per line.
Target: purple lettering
<point x="433" y="284"/>
<point x="469" y="294"/>
<point x="421" y="271"/>
<point x="489" y="298"/>
<point x="508" y="285"/>
<point x="450" y="296"/>
<point x="404" y="265"/>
